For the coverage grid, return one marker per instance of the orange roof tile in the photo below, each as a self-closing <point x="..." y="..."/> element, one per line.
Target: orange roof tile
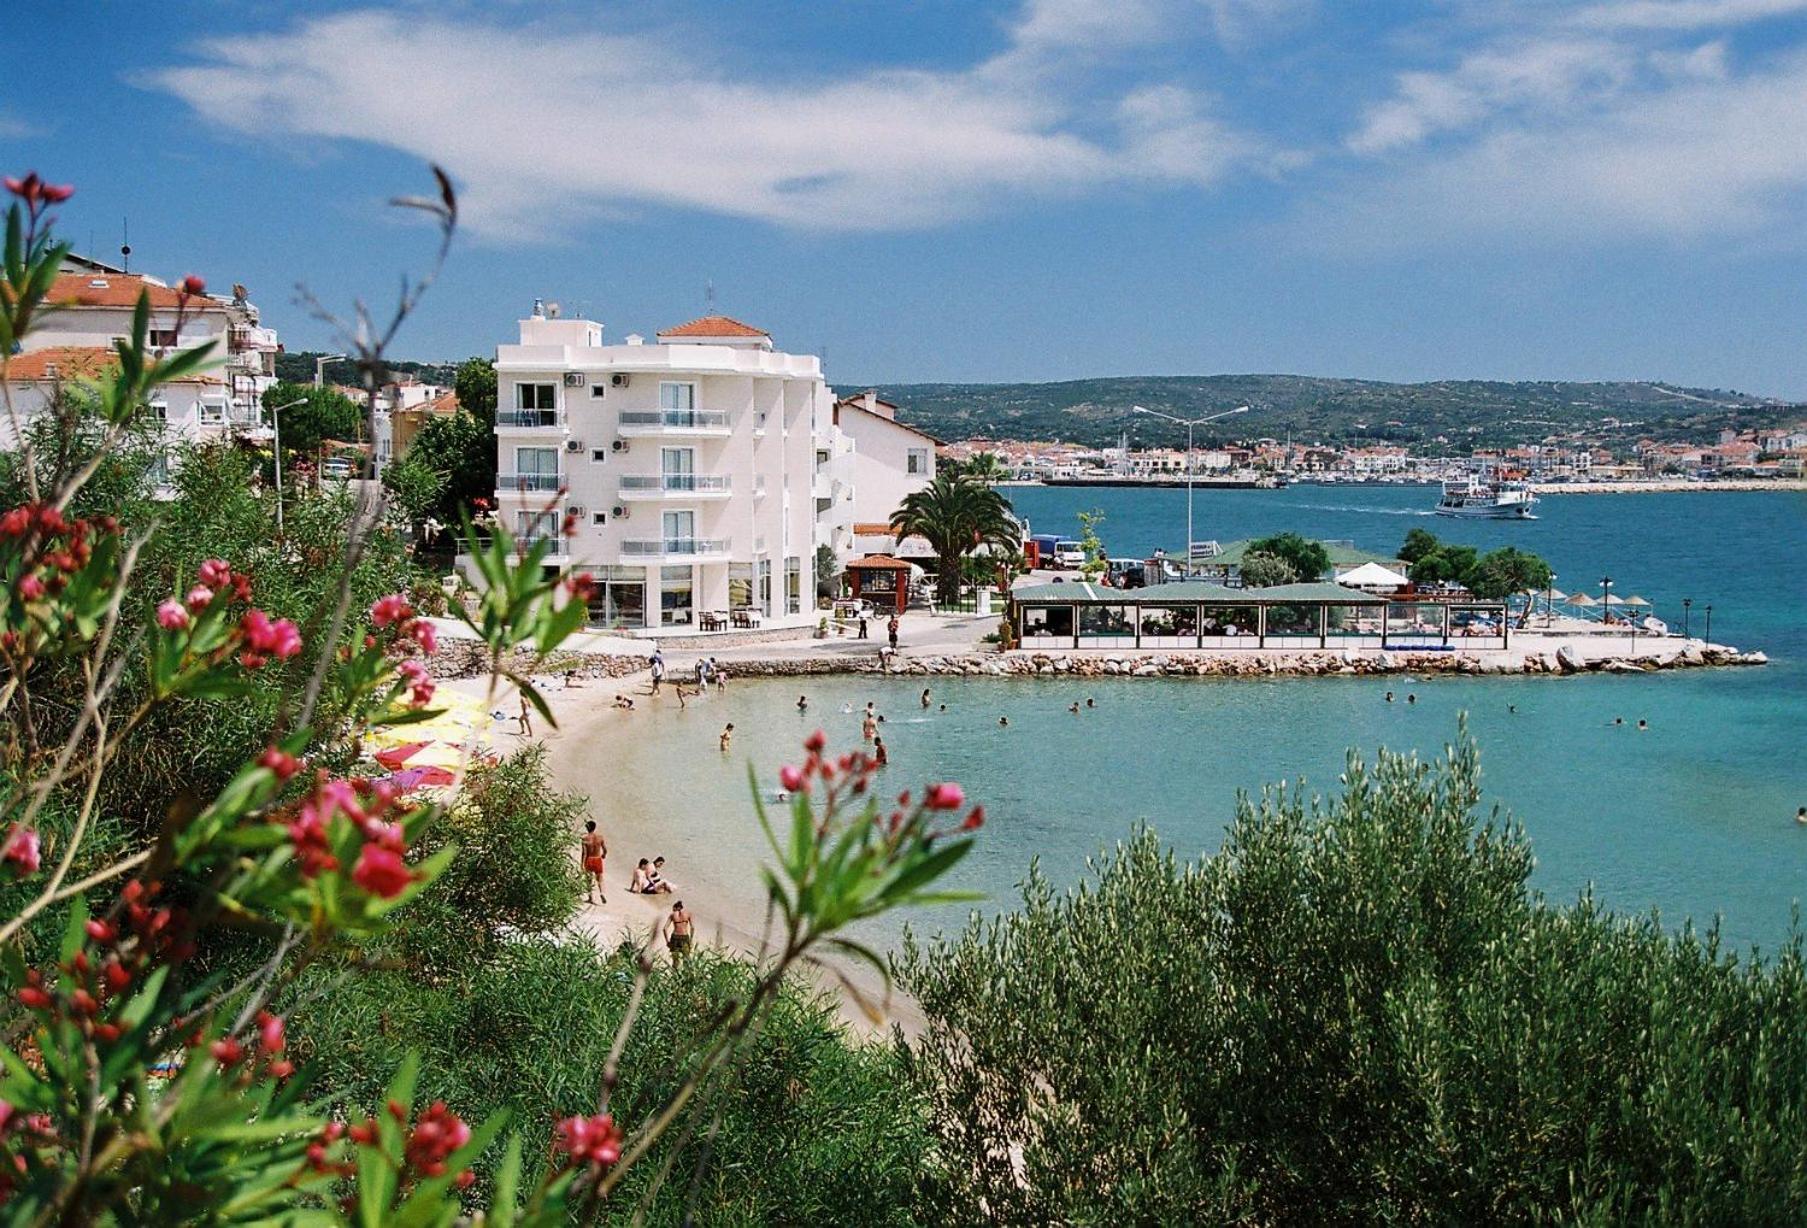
<point x="119" y="290"/>
<point x="714" y="326"/>
<point x="871" y="528"/>
<point x="76" y="362"/>
<point x="879" y="562"/>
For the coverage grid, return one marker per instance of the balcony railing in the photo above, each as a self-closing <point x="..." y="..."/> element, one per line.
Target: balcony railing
<point x="675" y="419"/>
<point x="528" y="417"/>
<point x="681" y="483"/>
<point x="529" y="481"/>
<point x="654" y="547"/>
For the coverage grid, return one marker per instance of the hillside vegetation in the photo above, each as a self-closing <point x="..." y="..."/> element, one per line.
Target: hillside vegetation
<point x="1452" y="415"/>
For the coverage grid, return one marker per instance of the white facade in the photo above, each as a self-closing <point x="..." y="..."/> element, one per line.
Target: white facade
<point x="191" y="409"/>
<point x="889" y="460"/>
<point x="688" y="467"/>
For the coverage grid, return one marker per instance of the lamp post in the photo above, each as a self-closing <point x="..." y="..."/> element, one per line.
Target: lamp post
<point x="320" y="367"/>
<point x="1188" y="423"/>
<point x="1686" y="603"/>
<point x="276" y="428"/>
<point x="1605" y="601"/>
<point x="1549" y="603"/>
<point x="1709" y="630"/>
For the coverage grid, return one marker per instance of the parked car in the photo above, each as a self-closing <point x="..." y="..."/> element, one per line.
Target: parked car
<point x="1069" y="555"/>
<point x="1126" y="573"/>
<point x="336" y="469"/>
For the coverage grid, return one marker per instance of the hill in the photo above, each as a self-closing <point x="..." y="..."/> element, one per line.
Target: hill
<point x="298" y="368"/>
<point x="1447" y="415"/>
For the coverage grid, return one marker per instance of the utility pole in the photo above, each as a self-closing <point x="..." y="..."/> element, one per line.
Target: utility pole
<point x="320" y="364"/>
<point x="1188" y="424"/>
<point x="276" y="426"/>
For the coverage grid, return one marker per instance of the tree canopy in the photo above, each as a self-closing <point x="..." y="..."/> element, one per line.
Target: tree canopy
<point x="1266" y="571"/>
<point x="475" y="383"/>
<point x="309" y="415"/>
<point x="956" y="515"/>
<point x="1309" y="559"/>
<point x="461" y="449"/>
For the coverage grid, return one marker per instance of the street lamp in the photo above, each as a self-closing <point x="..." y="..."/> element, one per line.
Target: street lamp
<point x="1709" y="630"/>
<point x="1686" y="603"/>
<point x="276" y="428"/>
<point x="320" y="367"/>
<point x="1188" y="423"/>
<point x="1605" y="601"/>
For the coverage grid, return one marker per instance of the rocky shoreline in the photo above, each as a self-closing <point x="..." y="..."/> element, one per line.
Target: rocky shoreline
<point x="1558" y="662"/>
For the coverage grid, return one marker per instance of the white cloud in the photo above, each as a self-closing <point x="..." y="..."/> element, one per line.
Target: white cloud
<point x="1707" y="156"/>
<point x="540" y="122"/>
<point x="15" y="128"/>
<point x="1681" y="14"/>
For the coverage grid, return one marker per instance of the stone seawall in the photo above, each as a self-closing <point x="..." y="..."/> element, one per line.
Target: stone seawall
<point x="1563" y="661"/>
<point x="461" y="658"/>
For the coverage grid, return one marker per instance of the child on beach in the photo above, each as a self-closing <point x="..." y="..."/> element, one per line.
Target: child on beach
<point x="880" y="755"/>
<point x="595" y="853"/>
<point x="727" y="737"/>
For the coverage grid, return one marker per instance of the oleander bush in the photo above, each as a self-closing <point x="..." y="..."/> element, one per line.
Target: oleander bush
<point x="1357" y="1011"/>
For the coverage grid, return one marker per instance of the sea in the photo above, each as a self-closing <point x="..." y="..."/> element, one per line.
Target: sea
<point x="1692" y="819"/>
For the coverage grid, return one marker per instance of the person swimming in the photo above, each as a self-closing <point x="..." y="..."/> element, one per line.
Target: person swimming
<point x="1411" y="698"/>
<point x="1073" y="707"/>
<point x="1389" y="697"/>
<point x="1003" y="721"/>
<point x="1643" y="725"/>
<point x="803" y="703"/>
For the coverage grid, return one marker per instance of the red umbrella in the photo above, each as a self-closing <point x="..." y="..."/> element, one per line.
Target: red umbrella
<point x="395" y="756"/>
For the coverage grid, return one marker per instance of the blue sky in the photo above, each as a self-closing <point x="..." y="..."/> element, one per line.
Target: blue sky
<point x="944" y="190"/>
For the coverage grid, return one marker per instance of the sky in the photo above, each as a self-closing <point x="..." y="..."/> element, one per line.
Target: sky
<point x="948" y="190"/>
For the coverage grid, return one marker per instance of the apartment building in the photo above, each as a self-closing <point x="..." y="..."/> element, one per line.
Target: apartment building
<point x="698" y="471"/>
<point x="890" y="459"/>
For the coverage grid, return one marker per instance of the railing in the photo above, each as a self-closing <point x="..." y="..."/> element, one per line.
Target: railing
<point x="528" y="417"/>
<point x="674" y="545"/>
<point x="529" y="481"/>
<point x="676" y="419"/>
<point x="687" y="482"/>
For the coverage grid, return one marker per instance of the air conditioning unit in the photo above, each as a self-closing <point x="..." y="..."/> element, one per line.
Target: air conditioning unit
<point x="619" y="511"/>
<point x="574" y="379"/>
<point x="574" y="445"/>
<point x="619" y="380"/>
<point x="620" y="445"/>
<point x="576" y="509"/>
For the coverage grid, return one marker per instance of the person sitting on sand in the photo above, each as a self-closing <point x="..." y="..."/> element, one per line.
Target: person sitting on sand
<point x="595" y="853"/>
<point x="625" y="702"/>
<point x="642" y="876"/>
<point x="658" y="880"/>
<point x="677" y="930"/>
<point x="880" y="755"/>
<point x="727" y="737"/>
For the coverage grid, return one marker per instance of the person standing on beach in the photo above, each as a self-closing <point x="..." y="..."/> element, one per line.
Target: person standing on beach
<point x="595" y="853"/>
<point x="862" y="634"/>
<point x="891" y="630"/>
<point x="525" y="718"/>
<point x="658" y="669"/>
<point x="721" y="676"/>
<point x="869" y="727"/>
<point x="677" y="930"/>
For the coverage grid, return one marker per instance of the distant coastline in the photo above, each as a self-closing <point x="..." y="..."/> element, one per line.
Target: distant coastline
<point x="1647" y="486"/>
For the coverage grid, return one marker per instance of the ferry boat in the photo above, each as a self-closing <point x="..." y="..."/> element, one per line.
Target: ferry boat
<point x="1484" y="497"/>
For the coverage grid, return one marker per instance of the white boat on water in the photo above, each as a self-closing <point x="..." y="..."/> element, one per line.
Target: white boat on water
<point x="1484" y="497"/>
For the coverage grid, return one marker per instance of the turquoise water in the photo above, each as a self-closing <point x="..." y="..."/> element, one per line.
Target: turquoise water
<point x="1693" y="818"/>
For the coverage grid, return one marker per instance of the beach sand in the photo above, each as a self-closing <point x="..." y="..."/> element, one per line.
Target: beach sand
<point x="726" y="897"/>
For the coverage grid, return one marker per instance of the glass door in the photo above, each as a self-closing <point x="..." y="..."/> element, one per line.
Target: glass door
<point x="677" y="466"/>
<point x="680" y="532"/>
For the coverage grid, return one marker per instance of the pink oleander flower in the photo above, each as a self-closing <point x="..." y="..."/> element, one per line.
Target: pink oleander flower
<point x="308" y="834"/>
<point x="975" y="820"/>
<point x="382" y="872"/>
<point x="280" y="639"/>
<point x="199" y="598"/>
<point x="23" y="850"/>
<point x="437" y="1133"/>
<point x="425" y="635"/>
<point x="391" y="609"/>
<point x="945" y="796"/>
<point x="270" y="1033"/>
<point x="227" y="1052"/>
<point x="791" y="777"/>
<point x="420" y="687"/>
<point x="589" y="1140"/>
<point x="32" y="189"/>
<point x="815" y="742"/>
<point x="215" y="573"/>
<point x="16" y="522"/>
<point x="283" y="764"/>
<point x="31" y="588"/>
<point x="193" y="285"/>
<point x="171" y="616"/>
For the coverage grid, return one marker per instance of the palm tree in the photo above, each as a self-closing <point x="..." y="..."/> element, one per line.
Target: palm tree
<point x="955" y="515"/>
<point x="987" y="467"/>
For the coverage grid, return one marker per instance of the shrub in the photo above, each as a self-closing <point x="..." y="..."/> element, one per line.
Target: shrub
<point x="1356" y="1012"/>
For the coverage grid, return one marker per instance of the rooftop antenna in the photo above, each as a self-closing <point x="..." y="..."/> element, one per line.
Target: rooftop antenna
<point x="125" y="244"/>
<point x="709" y="297"/>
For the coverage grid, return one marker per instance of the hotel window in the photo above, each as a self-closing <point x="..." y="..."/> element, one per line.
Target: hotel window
<point x="596" y="391"/>
<point x="765" y="586"/>
<point x="162" y="338"/>
<point x="677" y="396"/>
<point x="536" y="468"/>
<point x="793" y="586"/>
<point x="213" y="411"/>
<point x="536" y="396"/>
<point x="916" y="462"/>
<point x="675" y="587"/>
<point x="530" y="527"/>
<point x="599" y="517"/>
<point x="620" y="597"/>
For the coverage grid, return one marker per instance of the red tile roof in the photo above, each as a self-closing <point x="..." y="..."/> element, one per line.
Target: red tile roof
<point x="118" y="290"/>
<point x="878" y="562"/>
<point x="714" y="326"/>
<point x="75" y="362"/>
<point x="871" y="528"/>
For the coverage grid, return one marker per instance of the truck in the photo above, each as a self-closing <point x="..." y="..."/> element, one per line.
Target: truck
<point x="1069" y="554"/>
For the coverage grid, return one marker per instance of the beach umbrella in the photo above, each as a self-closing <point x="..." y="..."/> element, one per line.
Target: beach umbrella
<point x="1555" y="594"/>
<point x="1634" y="599"/>
<point x="1582" y="599"/>
<point x="1609" y="599"/>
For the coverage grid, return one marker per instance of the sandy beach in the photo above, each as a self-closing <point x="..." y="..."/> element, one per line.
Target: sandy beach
<point x="725" y="896"/>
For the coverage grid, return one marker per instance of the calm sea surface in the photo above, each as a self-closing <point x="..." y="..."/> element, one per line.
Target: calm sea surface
<point x="1693" y="818"/>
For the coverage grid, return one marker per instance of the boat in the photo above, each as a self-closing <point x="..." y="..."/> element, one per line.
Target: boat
<point x="1484" y="497"/>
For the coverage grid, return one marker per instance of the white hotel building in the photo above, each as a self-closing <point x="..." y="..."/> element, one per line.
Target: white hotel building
<point x="702" y="470"/>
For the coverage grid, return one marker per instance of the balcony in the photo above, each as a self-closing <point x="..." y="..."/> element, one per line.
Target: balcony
<point x="674" y="485"/>
<point x="520" y="483"/>
<point x="529" y="419"/>
<point x="675" y="548"/>
<point x="674" y="422"/>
